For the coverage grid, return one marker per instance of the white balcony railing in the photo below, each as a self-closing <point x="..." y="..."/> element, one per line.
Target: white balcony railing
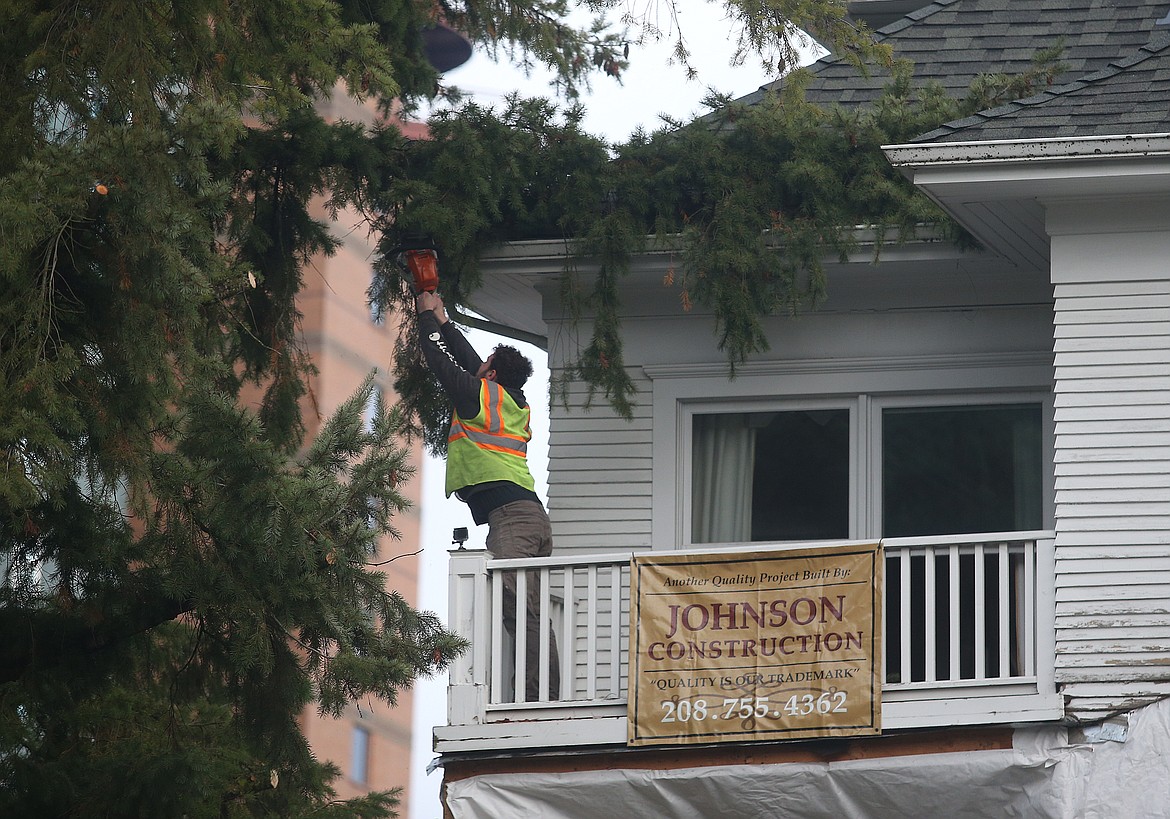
<point x="967" y="634"/>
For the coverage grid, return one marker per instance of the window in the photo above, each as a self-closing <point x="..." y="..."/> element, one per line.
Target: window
<point x="957" y="470"/>
<point x="360" y="756"/>
<point x="371" y="409"/>
<point x="771" y="476"/>
<point x="872" y="468"/>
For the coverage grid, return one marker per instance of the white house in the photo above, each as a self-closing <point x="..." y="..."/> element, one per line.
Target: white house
<point x="999" y="420"/>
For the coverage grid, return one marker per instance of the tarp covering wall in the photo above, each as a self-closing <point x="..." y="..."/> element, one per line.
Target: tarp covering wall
<point x="1121" y="772"/>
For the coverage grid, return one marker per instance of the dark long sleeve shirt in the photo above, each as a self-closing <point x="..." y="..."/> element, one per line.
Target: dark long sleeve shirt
<point x="455" y="363"/>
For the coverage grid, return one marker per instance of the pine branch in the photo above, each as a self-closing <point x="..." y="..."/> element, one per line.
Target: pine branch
<point x="48" y="637"/>
<point x="753" y="245"/>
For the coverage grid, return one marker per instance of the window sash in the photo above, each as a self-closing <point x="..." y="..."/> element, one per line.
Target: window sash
<point x="865" y="448"/>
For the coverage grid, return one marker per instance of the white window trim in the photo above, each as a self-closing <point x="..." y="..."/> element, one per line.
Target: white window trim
<point x="679" y="391"/>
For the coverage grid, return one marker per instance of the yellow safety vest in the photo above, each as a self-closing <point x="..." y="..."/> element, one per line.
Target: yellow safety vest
<point x="492" y="446"/>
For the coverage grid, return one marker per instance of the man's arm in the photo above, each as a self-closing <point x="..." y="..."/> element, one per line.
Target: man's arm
<point x="460" y="348"/>
<point x="441" y="343"/>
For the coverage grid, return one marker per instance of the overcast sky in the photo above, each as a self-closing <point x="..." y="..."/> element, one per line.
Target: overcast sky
<point x="649" y="86"/>
<point x="613" y="111"/>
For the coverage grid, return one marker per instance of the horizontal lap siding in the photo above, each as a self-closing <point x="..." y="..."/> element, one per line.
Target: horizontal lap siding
<point x="599" y="662"/>
<point x="1112" y="344"/>
<point x="600" y="467"/>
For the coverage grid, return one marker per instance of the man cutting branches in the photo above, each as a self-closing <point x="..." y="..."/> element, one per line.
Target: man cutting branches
<point x="487" y="466"/>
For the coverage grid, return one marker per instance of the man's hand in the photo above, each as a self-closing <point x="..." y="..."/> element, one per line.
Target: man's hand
<point x="427" y="300"/>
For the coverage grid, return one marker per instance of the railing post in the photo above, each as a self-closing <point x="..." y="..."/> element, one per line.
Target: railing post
<point x="1045" y="615"/>
<point x="467" y="599"/>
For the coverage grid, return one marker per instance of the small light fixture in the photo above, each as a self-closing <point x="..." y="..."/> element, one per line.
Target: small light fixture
<point x="459" y="535"/>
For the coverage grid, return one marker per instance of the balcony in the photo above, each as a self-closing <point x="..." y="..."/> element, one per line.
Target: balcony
<point x="968" y="640"/>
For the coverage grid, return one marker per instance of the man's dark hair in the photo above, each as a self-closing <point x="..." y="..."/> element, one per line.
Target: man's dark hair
<point x="511" y="366"/>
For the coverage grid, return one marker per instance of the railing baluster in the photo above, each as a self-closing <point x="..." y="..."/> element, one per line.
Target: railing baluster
<point x="497" y="637"/>
<point x="904" y="605"/>
<point x="544" y="612"/>
<point x="954" y="620"/>
<point x="624" y="574"/>
<point x="1028" y="610"/>
<point x="615" y="629"/>
<point x="520" y="693"/>
<point x="930" y="614"/>
<point x="980" y="611"/>
<point x="1005" y="614"/>
<point x="569" y="641"/>
<point x="591" y="635"/>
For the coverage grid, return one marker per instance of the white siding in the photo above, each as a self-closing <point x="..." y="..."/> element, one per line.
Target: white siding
<point x="1112" y="469"/>
<point x="600" y="469"/>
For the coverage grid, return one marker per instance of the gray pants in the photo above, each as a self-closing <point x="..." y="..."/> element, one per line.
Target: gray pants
<point x="522" y="529"/>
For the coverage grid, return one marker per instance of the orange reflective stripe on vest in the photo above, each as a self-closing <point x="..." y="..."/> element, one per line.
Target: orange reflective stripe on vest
<point x="492" y="446"/>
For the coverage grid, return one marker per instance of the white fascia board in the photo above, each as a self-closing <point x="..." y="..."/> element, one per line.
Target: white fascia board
<point x="527" y="257"/>
<point x="536" y="259"/>
<point x="1032" y="169"/>
<point x="516" y="275"/>
<point x="1027" y="150"/>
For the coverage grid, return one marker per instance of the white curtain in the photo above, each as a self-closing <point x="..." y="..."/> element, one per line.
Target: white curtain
<point x="723" y="459"/>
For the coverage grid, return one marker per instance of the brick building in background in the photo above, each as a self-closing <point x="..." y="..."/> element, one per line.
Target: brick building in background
<point x="370" y="743"/>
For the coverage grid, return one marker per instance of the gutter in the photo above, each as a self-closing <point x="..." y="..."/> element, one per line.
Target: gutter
<point x="549" y="256"/>
<point x="1028" y="150"/>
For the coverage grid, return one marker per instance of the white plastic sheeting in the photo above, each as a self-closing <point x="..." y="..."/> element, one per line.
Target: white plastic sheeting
<point x="1043" y="776"/>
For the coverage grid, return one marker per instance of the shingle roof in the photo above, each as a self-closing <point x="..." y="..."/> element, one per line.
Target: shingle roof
<point x="1129" y="96"/>
<point x="953" y="41"/>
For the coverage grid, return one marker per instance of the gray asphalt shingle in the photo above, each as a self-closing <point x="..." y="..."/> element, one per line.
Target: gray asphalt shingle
<point x="1129" y="96"/>
<point x="951" y="42"/>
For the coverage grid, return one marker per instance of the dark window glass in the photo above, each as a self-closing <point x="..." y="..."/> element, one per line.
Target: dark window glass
<point x="771" y="476"/>
<point x="959" y="470"/>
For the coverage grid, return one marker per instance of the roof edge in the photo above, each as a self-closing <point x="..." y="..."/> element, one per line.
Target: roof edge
<point x="918" y="154"/>
<point x="921" y="11"/>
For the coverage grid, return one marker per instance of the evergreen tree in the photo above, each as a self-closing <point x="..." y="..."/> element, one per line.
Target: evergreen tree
<point x="753" y="198"/>
<point x="181" y="575"/>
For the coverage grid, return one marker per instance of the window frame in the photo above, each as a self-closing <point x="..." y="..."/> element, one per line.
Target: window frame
<point x="692" y="409"/>
<point x="775" y="386"/>
<point x="930" y="400"/>
<point x="359" y="755"/>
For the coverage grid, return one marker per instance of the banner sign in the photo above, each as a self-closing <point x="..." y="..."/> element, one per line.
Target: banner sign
<point x="735" y="646"/>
